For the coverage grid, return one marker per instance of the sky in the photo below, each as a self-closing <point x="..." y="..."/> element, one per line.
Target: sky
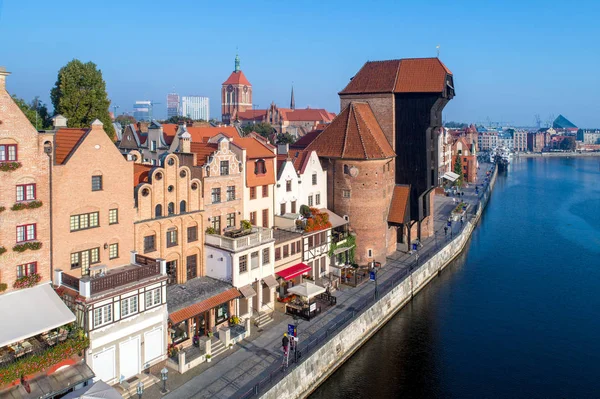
<point x="511" y="59"/>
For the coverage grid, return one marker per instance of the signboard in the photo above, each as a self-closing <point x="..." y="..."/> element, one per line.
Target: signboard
<point x="291" y="330"/>
<point x="313" y="307"/>
<point x="449" y="223"/>
<point x="372" y="275"/>
<point x="414" y="246"/>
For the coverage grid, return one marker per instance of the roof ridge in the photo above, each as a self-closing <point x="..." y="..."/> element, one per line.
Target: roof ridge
<point x="362" y="142"/>
<point x="346" y="131"/>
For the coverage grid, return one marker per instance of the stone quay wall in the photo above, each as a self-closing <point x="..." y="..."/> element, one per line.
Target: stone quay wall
<point x="307" y="376"/>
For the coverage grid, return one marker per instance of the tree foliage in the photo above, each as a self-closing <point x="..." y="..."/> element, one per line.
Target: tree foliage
<point x="262" y="128"/>
<point x="285" y="138"/>
<point x="125" y="120"/>
<point x="80" y="95"/>
<point x="178" y="120"/>
<point x="36" y="112"/>
<point x="459" y="171"/>
<point x="455" y="125"/>
<point x="568" y="144"/>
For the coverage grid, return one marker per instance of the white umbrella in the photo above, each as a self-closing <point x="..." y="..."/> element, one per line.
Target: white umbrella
<point x="307" y="289"/>
<point x="99" y="390"/>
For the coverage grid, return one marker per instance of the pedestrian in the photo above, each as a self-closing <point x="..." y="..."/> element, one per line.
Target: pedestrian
<point x="461" y="221"/>
<point x="285" y="343"/>
<point x="445" y="230"/>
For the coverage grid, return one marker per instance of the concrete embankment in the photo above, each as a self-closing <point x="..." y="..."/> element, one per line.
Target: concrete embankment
<point x="308" y="375"/>
<point x="557" y="154"/>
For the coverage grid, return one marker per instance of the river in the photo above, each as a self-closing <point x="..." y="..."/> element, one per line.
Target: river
<point x="517" y="315"/>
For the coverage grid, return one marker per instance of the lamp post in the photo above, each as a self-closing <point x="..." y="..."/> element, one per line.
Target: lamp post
<point x="164" y="373"/>
<point x="140" y="389"/>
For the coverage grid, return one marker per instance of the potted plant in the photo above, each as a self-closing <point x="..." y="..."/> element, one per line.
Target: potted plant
<point x="208" y="358"/>
<point x="210" y="334"/>
<point x="2" y="250"/>
<point x="196" y="341"/>
<point x="230" y="346"/>
<point x="211" y="230"/>
<point x="246" y="225"/>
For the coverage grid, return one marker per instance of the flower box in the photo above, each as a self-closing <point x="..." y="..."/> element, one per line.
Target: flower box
<point x="26" y="205"/>
<point x="2" y="250"/>
<point x="32" y="245"/>
<point x="27" y="281"/>
<point x="9" y="166"/>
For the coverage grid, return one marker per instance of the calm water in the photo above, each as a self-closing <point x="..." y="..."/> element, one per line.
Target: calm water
<point x="516" y="316"/>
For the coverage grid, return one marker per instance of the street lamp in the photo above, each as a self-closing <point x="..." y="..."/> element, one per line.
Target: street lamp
<point x="164" y="375"/>
<point x="140" y="389"/>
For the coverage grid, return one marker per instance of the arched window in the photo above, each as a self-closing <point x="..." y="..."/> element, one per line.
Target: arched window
<point x="182" y="207"/>
<point x="171" y="208"/>
<point x="158" y="211"/>
<point x="346" y="170"/>
<point x="259" y="167"/>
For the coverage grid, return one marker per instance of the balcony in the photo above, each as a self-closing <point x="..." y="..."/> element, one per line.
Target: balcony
<point x="254" y="237"/>
<point x="106" y="280"/>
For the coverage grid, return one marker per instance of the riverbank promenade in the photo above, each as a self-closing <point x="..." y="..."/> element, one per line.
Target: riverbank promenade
<point x="255" y="363"/>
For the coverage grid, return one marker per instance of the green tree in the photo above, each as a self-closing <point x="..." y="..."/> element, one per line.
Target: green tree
<point x="125" y="120"/>
<point x="285" y="138"/>
<point x="568" y="144"/>
<point x="80" y="95"/>
<point x="262" y="128"/>
<point x="178" y="119"/>
<point x="36" y="112"/>
<point x="459" y="171"/>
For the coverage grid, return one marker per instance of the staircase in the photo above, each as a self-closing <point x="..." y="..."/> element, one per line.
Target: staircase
<point x="128" y="388"/>
<point x="263" y="319"/>
<point x="216" y="348"/>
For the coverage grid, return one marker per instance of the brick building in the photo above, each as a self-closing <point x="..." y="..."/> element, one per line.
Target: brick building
<point x="236" y="94"/>
<point x="465" y="151"/>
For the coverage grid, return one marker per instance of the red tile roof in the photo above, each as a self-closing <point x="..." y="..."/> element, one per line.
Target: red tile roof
<point x="353" y="134"/>
<point x="169" y="131"/>
<point x="203" y="151"/>
<point x="305" y="140"/>
<point x="255" y="149"/>
<point x="399" y="207"/>
<point x="252" y="114"/>
<point x="202" y="134"/>
<point x="409" y="75"/>
<point x="66" y="140"/>
<point x="308" y="114"/>
<point x="141" y="173"/>
<point x="200" y="307"/>
<point x="237" y="78"/>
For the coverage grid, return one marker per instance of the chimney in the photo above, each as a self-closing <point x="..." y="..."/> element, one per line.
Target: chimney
<point x="283" y="149"/>
<point x="3" y="75"/>
<point x="186" y="142"/>
<point x="59" y="121"/>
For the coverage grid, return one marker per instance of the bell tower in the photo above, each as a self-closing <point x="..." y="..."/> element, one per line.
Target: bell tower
<point x="236" y="94"/>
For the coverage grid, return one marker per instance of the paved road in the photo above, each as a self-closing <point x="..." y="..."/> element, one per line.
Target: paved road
<point x="237" y="372"/>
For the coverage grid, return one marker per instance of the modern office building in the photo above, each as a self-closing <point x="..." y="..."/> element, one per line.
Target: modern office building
<point x="141" y="110"/>
<point x="195" y="107"/>
<point x="173" y="106"/>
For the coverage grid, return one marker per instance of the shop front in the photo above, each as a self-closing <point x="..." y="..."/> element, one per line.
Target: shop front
<point x="290" y="277"/>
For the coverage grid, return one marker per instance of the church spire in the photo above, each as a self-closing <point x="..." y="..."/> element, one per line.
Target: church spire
<point x="237" y="63"/>
<point x="292" y="101"/>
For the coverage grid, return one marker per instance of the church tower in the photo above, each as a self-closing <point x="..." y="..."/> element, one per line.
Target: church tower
<point x="236" y="94"/>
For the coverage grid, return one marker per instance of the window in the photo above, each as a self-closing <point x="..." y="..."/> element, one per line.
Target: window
<point x="265" y="218"/>
<point x="230" y="193"/>
<point x="277" y="254"/>
<point x="252" y="192"/>
<point x="286" y="251"/>
<point x="129" y="306"/>
<point x="158" y="211"/>
<point x="182" y="207"/>
<point x="26" y="232"/>
<point x="171" y="238"/>
<point x="8" y="152"/>
<point x="317" y="199"/>
<point x="150" y="243"/>
<point x="192" y="266"/>
<point x="83" y="259"/>
<point x="253" y="218"/>
<point x="310" y="200"/>
<point x="266" y="256"/>
<point x="265" y="191"/>
<point x="288" y="185"/>
<point x="282" y="209"/>
<point x="25" y="192"/>
<point x="231" y="219"/>
<point x="84" y="221"/>
<point x="314" y="179"/>
<point x="243" y="263"/>
<point x="96" y="183"/>
<point x="216" y="195"/>
<point x="192" y="234"/>
<point x="293" y="207"/>
<point x="260" y="167"/>
<point x="27" y="269"/>
<point x="152" y="298"/>
<point x="224" y="168"/>
<point x="221" y="313"/>
<point x="254" y="260"/>
<point x="113" y="251"/>
<point x="323" y="266"/>
<point x="216" y="223"/>
<point x="346" y="193"/>
<point x="102" y="315"/>
<point x="370" y="253"/>
<point x="298" y="244"/>
<point x="171" y="208"/>
<point x="113" y="216"/>
<point x="310" y="242"/>
<point x="153" y="145"/>
<point x="346" y="170"/>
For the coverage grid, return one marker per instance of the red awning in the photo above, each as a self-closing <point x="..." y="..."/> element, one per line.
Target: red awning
<point x="293" y="271"/>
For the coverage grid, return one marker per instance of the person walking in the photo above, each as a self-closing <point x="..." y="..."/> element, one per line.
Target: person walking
<point x="285" y="343"/>
<point x="445" y="231"/>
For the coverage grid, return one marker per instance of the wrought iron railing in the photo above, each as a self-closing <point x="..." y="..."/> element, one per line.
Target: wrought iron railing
<point x="114" y="280"/>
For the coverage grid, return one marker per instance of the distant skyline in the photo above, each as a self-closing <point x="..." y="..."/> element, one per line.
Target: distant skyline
<point x="510" y="60"/>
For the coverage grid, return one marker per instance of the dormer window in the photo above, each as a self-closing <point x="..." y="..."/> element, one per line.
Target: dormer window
<point x="259" y="167"/>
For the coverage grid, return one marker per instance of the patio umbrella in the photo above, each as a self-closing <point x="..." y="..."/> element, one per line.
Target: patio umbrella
<point x="307" y="290"/>
<point x="99" y="390"/>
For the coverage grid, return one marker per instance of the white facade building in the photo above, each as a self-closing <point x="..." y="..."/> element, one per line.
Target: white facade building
<point x="444" y="154"/>
<point x="487" y="140"/>
<point x="520" y="140"/>
<point x="195" y="107"/>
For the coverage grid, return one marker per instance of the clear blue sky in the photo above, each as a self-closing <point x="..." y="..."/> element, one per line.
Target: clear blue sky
<point x="510" y="59"/>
